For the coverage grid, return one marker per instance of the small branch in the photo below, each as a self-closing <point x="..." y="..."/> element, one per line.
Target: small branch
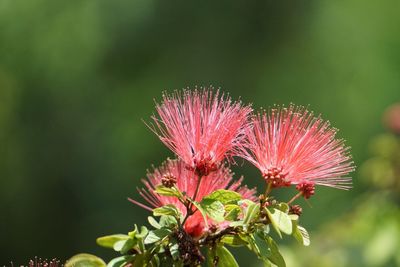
<point x="189" y="205"/>
<point x="294" y="198"/>
<point x="197" y="187"/>
<point x="213" y="238"/>
<point x="268" y="190"/>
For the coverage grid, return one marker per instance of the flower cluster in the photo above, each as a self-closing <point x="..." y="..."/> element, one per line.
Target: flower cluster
<point x="188" y="181"/>
<point x="289" y="145"/>
<point x="199" y="202"/>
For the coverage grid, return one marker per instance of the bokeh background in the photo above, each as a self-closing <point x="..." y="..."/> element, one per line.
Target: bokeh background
<point x="78" y="77"/>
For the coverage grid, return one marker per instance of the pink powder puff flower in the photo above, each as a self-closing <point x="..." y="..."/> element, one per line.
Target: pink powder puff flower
<point x="292" y="146"/>
<point x="201" y="127"/>
<point x="186" y="181"/>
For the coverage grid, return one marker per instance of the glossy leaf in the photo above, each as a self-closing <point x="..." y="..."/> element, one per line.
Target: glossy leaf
<point x="156" y="235"/>
<point x="283" y="207"/>
<point x="251" y="212"/>
<point x="301" y="234"/>
<point x="143" y="232"/>
<point x="167" y="221"/>
<point x="166" y="210"/>
<point x="232" y="212"/>
<point x="174" y="249"/>
<point x="276" y="256"/>
<point x="167" y="191"/>
<point x="234" y="240"/>
<point x="120" y="261"/>
<point x="109" y="240"/>
<point x="153" y="222"/>
<point x="280" y="221"/>
<point x="225" y="196"/>
<point x="213" y="208"/>
<point x="225" y="257"/>
<point x="202" y="211"/>
<point x="124" y="246"/>
<point x="85" y="260"/>
<point x="267" y="249"/>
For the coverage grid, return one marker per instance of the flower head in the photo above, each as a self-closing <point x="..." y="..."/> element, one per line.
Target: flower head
<point x="186" y="181"/>
<point x="292" y="146"/>
<point x="201" y="127"/>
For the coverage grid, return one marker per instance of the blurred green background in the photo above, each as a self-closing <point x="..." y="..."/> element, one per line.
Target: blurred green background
<point x="78" y="77"/>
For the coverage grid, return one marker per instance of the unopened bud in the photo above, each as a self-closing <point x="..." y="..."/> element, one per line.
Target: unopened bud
<point x="296" y="209"/>
<point x="168" y="180"/>
<point x="307" y="189"/>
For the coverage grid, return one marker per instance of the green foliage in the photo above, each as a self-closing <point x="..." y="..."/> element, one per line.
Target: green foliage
<point x="280" y="221"/>
<point x="213" y="208"/>
<point x="234" y="240"/>
<point x="222" y="257"/>
<point x="232" y="212"/>
<point x="166" y="210"/>
<point x="109" y="240"/>
<point x="224" y="196"/>
<point x="301" y="234"/>
<point x="251" y="212"/>
<point x="85" y="260"/>
<point x="247" y="224"/>
<point x="266" y="249"/>
<point x="156" y="235"/>
<point x="166" y="191"/>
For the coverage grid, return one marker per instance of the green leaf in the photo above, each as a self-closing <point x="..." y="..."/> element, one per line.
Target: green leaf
<point x="117" y="262"/>
<point x="174" y="249"/>
<point x="155" y="261"/>
<point x="280" y="221"/>
<point x="225" y="196"/>
<point x="232" y="212"/>
<point x="225" y="258"/>
<point x="213" y="208"/>
<point x="166" y="191"/>
<point x="166" y="210"/>
<point x="276" y="257"/>
<point x="168" y="221"/>
<point x="202" y="211"/>
<point x="251" y="212"/>
<point x="234" y="240"/>
<point x="210" y="257"/>
<point x="153" y="222"/>
<point x="141" y="260"/>
<point x="124" y="246"/>
<point x="109" y="240"/>
<point x="156" y="235"/>
<point x="237" y="224"/>
<point x="267" y="249"/>
<point x="283" y="207"/>
<point x="143" y="232"/>
<point x="85" y="260"/>
<point x="301" y="234"/>
<point x="133" y="233"/>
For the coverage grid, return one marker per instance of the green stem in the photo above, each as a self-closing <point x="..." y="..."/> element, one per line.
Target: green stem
<point x="190" y="206"/>
<point x="294" y="198"/>
<point x="268" y="190"/>
<point x="197" y="188"/>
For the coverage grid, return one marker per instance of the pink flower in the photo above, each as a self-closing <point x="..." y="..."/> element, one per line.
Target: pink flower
<point x="292" y="146"/>
<point x="201" y="127"/>
<point x="186" y="181"/>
